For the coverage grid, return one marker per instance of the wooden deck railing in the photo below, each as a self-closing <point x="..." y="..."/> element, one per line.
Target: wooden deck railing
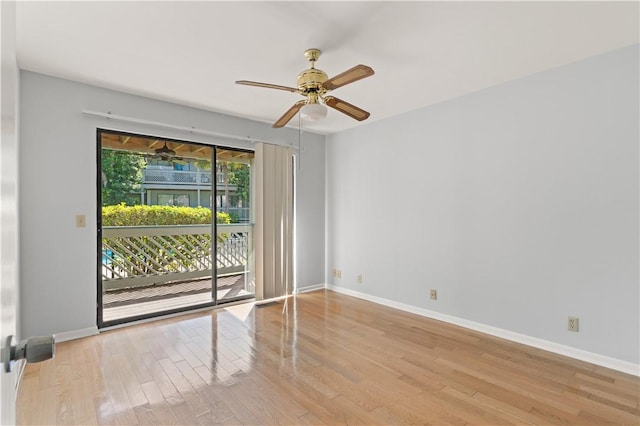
<point x="134" y="256"/>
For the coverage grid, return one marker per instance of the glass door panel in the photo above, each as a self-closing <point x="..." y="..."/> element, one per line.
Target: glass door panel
<point x="234" y="230"/>
<point x="155" y="226"/>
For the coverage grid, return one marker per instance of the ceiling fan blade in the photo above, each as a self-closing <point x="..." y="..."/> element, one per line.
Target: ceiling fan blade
<point x="349" y="76"/>
<point x="346" y="108"/>
<point x="268" y="86"/>
<point x="289" y="114"/>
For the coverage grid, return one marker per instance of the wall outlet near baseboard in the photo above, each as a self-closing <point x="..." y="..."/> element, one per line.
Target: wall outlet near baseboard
<point x="573" y="324"/>
<point x="433" y="293"/>
<point x="360" y="279"/>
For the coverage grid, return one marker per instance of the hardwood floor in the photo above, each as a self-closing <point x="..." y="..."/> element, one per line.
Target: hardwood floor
<point x="328" y="359"/>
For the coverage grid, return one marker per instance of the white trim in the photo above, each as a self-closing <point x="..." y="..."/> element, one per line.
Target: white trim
<point x="580" y="354"/>
<point x="309" y="288"/>
<point x="75" y="334"/>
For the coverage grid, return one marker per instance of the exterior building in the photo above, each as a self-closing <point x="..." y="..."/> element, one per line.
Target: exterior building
<point x="170" y="183"/>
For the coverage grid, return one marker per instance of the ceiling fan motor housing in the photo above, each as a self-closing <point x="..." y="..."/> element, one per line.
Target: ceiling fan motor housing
<point x="311" y="80"/>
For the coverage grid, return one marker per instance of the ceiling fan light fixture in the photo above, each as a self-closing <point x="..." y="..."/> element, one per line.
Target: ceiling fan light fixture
<point x="313" y="111"/>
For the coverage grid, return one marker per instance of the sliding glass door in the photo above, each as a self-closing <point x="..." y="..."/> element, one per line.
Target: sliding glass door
<point x="235" y="277"/>
<point x="161" y="202"/>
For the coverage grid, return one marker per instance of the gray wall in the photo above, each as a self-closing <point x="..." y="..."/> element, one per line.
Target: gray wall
<point x="58" y="181"/>
<point x="518" y="203"/>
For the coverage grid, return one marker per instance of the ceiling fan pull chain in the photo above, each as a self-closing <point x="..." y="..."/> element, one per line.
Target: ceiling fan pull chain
<point x="299" y="138"/>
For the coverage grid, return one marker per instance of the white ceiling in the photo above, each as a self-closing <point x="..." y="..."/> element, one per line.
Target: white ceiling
<point x="191" y="53"/>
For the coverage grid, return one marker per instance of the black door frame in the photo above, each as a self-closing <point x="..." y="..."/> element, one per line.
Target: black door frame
<point x="214" y="279"/>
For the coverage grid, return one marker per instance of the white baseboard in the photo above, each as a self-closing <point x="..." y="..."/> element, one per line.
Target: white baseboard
<point x="75" y="334"/>
<point x="309" y="288"/>
<point x="580" y="354"/>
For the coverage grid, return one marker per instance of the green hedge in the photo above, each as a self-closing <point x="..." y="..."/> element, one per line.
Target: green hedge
<point x="122" y="215"/>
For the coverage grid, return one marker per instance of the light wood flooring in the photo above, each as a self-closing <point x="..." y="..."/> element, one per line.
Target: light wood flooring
<point x="328" y="359"/>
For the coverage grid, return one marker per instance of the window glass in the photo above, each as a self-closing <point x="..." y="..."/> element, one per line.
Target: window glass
<point x="165" y="199"/>
<point x="181" y="200"/>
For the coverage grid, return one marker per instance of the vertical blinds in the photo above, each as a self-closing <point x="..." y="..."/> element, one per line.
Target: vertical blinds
<point x="273" y="220"/>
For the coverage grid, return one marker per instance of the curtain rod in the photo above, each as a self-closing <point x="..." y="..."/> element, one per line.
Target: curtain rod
<point x="111" y="116"/>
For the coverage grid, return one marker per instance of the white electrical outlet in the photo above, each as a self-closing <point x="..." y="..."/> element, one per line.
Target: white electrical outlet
<point x="573" y="324"/>
<point x="360" y="279"/>
<point x="433" y="293"/>
<point x="338" y="273"/>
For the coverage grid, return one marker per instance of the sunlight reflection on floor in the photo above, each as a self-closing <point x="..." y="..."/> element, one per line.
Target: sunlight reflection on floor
<point x="241" y="311"/>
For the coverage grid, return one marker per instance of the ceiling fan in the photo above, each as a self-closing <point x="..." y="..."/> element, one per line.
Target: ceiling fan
<point x="314" y="84"/>
<point x="167" y="154"/>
